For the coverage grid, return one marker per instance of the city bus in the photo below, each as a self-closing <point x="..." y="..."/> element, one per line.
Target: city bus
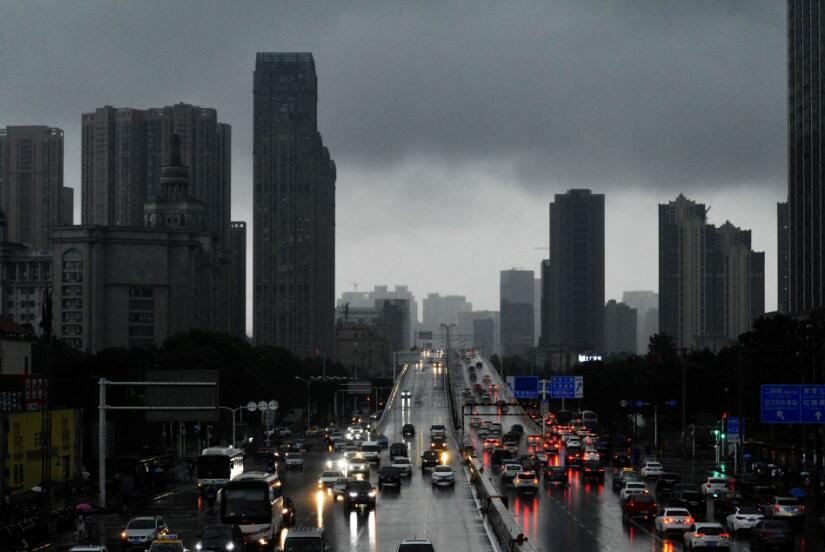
<point x="254" y="501"/>
<point x="217" y="466"/>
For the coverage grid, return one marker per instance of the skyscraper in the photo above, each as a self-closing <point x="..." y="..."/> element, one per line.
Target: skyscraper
<point x="806" y="202"/>
<point x="619" y="328"/>
<point x="782" y="260"/>
<point x="31" y="183"/>
<point x="643" y="301"/>
<point x="237" y="284"/>
<point x="516" y="294"/>
<point x="576" y="272"/>
<point x="681" y="271"/>
<point x="294" y="202"/>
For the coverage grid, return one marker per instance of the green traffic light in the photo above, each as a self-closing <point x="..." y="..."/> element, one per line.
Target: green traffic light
<point x="716" y="432"/>
<point x="722" y="436"/>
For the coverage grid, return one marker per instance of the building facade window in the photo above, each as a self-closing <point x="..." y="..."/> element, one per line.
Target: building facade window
<point x="72" y="303"/>
<point x="141" y="316"/>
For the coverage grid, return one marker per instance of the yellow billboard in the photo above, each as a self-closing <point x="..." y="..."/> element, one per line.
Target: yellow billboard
<point x="25" y="448"/>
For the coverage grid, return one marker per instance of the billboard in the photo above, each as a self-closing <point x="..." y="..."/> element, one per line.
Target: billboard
<point x="182" y="396"/>
<point x="525" y="387"/>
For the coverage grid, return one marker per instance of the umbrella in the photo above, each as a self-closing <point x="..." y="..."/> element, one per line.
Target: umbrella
<point x="797" y="492"/>
<point x="83" y="507"/>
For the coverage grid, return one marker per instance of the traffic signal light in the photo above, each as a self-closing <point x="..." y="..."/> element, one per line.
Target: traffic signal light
<point x="716" y="432"/>
<point x="722" y="436"/>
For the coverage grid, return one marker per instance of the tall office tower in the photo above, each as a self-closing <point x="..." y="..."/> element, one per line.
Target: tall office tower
<point x="484" y="336"/>
<point x="576" y="315"/>
<point x="619" y="328"/>
<point x="237" y="285"/>
<point x="537" y="294"/>
<point x="732" y="284"/>
<point x="31" y="183"/>
<point x="643" y="301"/>
<point x="652" y="325"/>
<point x="806" y="202"/>
<point x="294" y="218"/>
<point x="782" y="260"/>
<point x="544" y="325"/>
<point x="681" y="271"/>
<point x="516" y="294"/>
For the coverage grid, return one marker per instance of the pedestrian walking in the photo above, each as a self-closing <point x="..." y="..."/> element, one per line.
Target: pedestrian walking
<point x="80" y="525"/>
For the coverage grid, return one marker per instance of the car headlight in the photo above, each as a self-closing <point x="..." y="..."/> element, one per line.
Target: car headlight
<point x="198" y="546"/>
<point x="285" y="510"/>
<point x="262" y="541"/>
<point x="353" y="495"/>
<point x="230" y="546"/>
<point x="123" y="534"/>
<point x="371" y="493"/>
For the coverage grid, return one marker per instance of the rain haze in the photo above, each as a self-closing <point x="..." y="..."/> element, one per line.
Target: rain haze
<point x="452" y="124"/>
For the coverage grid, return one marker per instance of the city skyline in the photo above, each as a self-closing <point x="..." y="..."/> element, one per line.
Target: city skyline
<point x="427" y="179"/>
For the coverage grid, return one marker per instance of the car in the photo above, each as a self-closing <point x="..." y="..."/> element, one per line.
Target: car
<point x="771" y="534"/>
<point x="389" y="475"/>
<point x="415" y="545"/>
<point x="408" y="430"/>
<point x="141" y="531"/>
<point x="707" y="535"/>
<point x="328" y="478"/>
<point x="651" y="469"/>
<point x="167" y="543"/>
<point x="526" y="482"/>
<point x="438" y="443"/>
<point x="475" y="422"/>
<point x="534" y="440"/>
<point x="429" y="460"/>
<point x="360" y="492"/>
<point x="743" y="518"/>
<point x="666" y="482"/>
<point x="438" y="430"/>
<point x="442" y="475"/>
<point x="359" y="467"/>
<point x="509" y="471"/>
<point x="403" y="464"/>
<point x="620" y="480"/>
<point x="490" y="443"/>
<point x="673" y="519"/>
<point x="483" y="432"/>
<point x="406" y="395"/>
<point x="340" y="486"/>
<point x="88" y="548"/>
<point x="517" y="428"/>
<point x="495" y="428"/>
<point x="639" y="506"/>
<point x="632" y="488"/>
<point x="593" y="469"/>
<point x="573" y="442"/>
<point x="714" y="485"/>
<point x="371" y="452"/>
<point x="555" y="476"/>
<point x="288" y="512"/>
<point x="574" y="456"/>
<point x="621" y="459"/>
<point x="338" y="443"/>
<point x="398" y="449"/>
<point x="511" y="447"/>
<point x="691" y="500"/>
<point x="294" y="460"/>
<point x="304" y="540"/>
<point x="382" y="441"/>
<point x="785" y="507"/>
<point x="727" y="502"/>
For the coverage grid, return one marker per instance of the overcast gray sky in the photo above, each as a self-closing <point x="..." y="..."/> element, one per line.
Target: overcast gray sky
<point x="453" y="124"/>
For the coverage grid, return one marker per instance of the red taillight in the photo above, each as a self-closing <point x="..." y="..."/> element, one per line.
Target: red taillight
<point x="708" y="485"/>
<point x="801" y="508"/>
<point x="724" y="536"/>
<point x="776" y="507"/>
<point x="698" y="535"/>
<point x="668" y="521"/>
<point x="689" y="521"/>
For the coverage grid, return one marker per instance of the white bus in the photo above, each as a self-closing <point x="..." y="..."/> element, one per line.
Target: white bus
<point x="217" y="466"/>
<point x="254" y="501"/>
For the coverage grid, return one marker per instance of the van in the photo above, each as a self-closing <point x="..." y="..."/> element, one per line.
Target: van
<point x="305" y="539"/>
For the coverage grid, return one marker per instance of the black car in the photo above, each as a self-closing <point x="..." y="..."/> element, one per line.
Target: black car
<point x="555" y="475"/>
<point x="429" y="460"/>
<point x="621" y="460"/>
<point x="693" y="501"/>
<point x="408" y="430"/>
<point x="772" y="535"/>
<point x="666" y="482"/>
<point x="498" y="455"/>
<point x="438" y="443"/>
<point x="574" y="457"/>
<point x="529" y="463"/>
<point x="389" y="476"/>
<point x="593" y="469"/>
<point x="288" y="512"/>
<point x="517" y="428"/>
<point x="398" y="449"/>
<point x="217" y="538"/>
<point x="359" y="492"/>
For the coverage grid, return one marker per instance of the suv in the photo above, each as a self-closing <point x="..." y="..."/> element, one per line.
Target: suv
<point x="217" y="538"/>
<point x="509" y="471"/>
<point x="438" y="430"/>
<point x="707" y="535"/>
<point x="526" y="482"/>
<point x="639" y="506"/>
<point x="651" y="468"/>
<point x="389" y="475"/>
<point x="403" y="465"/>
<point x="593" y="469"/>
<point x="408" y="430"/>
<point x="141" y="531"/>
<point x="785" y="507"/>
<point x="358" y="492"/>
<point x="415" y="545"/>
<point x="555" y="475"/>
<point x="429" y="460"/>
<point x="398" y="449"/>
<point x="300" y="541"/>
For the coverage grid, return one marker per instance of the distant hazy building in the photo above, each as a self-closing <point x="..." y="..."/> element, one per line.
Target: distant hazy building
<point x="366" y="299"/>
<point x="619" y="328"/>
<point x="237" y="285"/>
<point x="537" y="293"/>
<point x="643" y="301"/>
<point x="31" y="183"/>
<point x="652" y="325"/>
<point x="484" y="331"/>
<point x="361" y="348"/>
<point x="681" y="271"/>
<point x="576" y="272"/>
<point x="806" y="202"/>
<point x="67" y="207"/>
<point x="516" y="293"/>
<point x="294" y="202"/>
<point x="467" y="330"/>
<point x="438" y="309"/>
<point x="783" y="259"/>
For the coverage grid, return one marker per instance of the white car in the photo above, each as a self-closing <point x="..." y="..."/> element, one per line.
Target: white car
<point x="714" y="485"/>
<point x="673" y="519"/>
<point x="406" y="394"/>
<point x="526" y="481"/>
<point x="633" y="488"/>
<point x="784" y="507"/>
<point x="443" y="475"/>
<point x="651" y="469"/>
<point x="371" y="451"/>
<point x="438" y="430"/>
<point x="573" y="442"/>
<point x="403" y="464"/>
<point x="328" y="478"/>
<point x="707" y="535"/>
<point x="141" y="531"/>
<point x="294" y="460"/>
<point x="509" y="471"/>
<point x="743" y="518"/>
<point x="475" y="422"/>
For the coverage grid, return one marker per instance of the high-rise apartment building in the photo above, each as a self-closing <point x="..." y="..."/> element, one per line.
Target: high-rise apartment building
<point x="516" y="294"/>
<point x="682" y="226"/>
<point x="619" y="328"/>
<point x="31" y="183"/>
<point x="294" y="202"/>
<point x="643" y="301"/>
<point x="440" y="309"/>
<point x="782" y="258"/>
<point x="576" y="272"/>
<point x="806" y="202"/>
<point x="237" y="284"/>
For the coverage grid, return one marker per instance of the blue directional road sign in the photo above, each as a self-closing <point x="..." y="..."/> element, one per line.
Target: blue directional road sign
<point x="813" y="404"/>
<point x="525" y="387"/>
<point x="733" y="427"/>
<point x="563" y="387"/>
<point x="781" y="404"/>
